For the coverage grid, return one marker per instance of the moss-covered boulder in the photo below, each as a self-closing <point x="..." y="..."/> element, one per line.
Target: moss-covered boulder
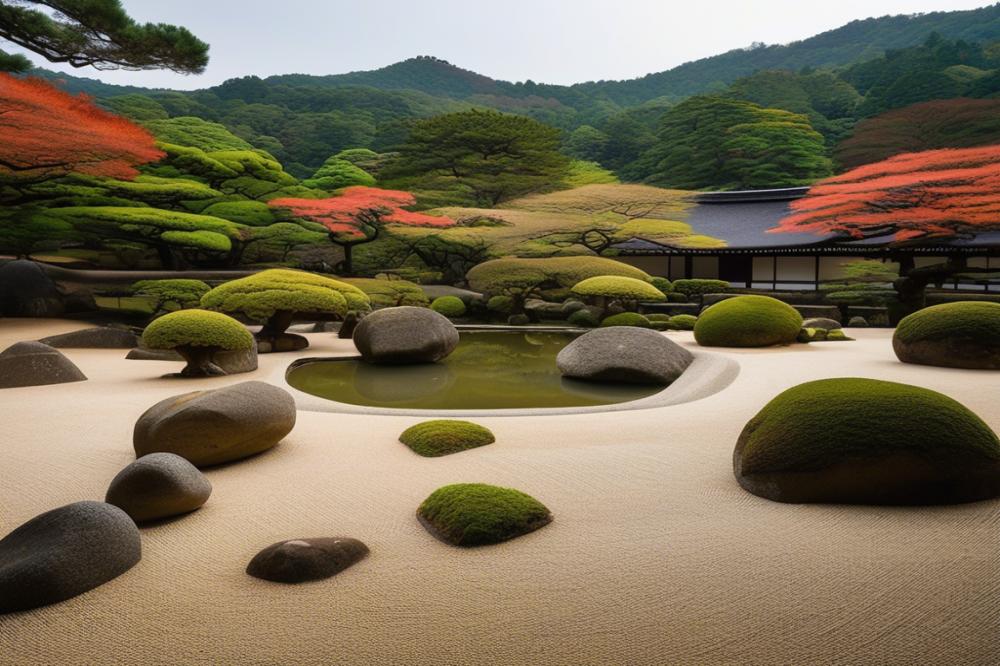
<point x="748" y="321"/>
<point x="450" y="306"/>
<point x="626" y="319"/>
<point x="277" y="297"/>
<point x="965" y="334"/>
<point x="866" y="441"/>
<point x="441" y="437"/>
<point x="618" y="288"/>
<point x="584" y="318"/>
<point x="477" y="514"/>
<point x="198" y="335"/>
<point x="683" y="322"/>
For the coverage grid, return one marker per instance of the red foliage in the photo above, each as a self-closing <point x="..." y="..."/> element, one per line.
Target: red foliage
<point x="360" y="210"/>
<point x="930" y="194"/>
<point x="45" y="132"/>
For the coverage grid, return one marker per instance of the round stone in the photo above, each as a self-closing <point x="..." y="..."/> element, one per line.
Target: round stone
<point x="158" y="485"/>
<point x="405" y="334"/>
<point x="624" y="354"/>
<point x="301" y="560"/>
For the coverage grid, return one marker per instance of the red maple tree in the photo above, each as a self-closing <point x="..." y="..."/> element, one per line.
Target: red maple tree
<point x="46" y="133"/>
<point x="358" y="215"/>
<point x="933" y="194"/>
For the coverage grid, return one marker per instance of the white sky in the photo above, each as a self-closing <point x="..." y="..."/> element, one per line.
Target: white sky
<point x="550" y="41"/>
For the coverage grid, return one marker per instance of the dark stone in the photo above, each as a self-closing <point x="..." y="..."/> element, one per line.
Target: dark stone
<point x="36" y="364"/>
<point x="26" y="290"/>
<point x="65" y="552"/>
<point x="857" y="322"/>
<point x="543" y="311"/>
<point x="301" y="560"/>
<point x="518" y="320"/>
<point x="158" y="485"/>
<point x="822" y="322"/>
<point x="405" y="334"/>
<point x="624" y="354"/>
<point x="98" y="337"/>
<point x="216" y="426"/>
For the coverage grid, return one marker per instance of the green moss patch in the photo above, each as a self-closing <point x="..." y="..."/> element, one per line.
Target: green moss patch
<point x="584" y="319"/>
<point x="477" y="514"/>
<point x="626" y="319"/>
<point x="197" y="328"/>
<point x="953" y="335"/>
<point x="748" y="321"/>
<point x="683" y="322"/>
<point x="618" y="288"/>
<point x="449" y="306"/>
<point x="442" y="437"/>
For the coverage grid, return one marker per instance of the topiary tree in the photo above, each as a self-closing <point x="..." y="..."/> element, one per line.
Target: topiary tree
<point x="441" y="437"/>
<point x="477" y="514"/>
<point x="277" y="297"/>
<point x="197" y="335"/>
<point x="169" y="295"/>
<point x="625" y="291"/>
<point x="865" y="441"/>
<point x="389" y="293"/>
<point x="336" y="173"/>
<point x="449" y="306"/>
<point x="748" y="321"/>
<point x="952" y="335"/>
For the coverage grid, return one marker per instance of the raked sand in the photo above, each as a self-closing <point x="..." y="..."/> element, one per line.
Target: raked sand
<point x="656" y="556"/>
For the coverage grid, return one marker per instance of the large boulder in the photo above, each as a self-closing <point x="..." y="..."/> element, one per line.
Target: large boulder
<point x="405" y="334"/>
<point x="625" y="354"/>
<point x="65" y="552"/>
<point x="158" y="485"/>
<point x="216" y="426"/>
<point x="866" y="441"/>
<point x="36" y="364"/>
<point x="97" y="337"/>
<point x="26" y="290"/>
<point x="965" y="334"/>
<point x="232" y="362"/>
<point x="748" y="321"/>
<point x="300" y="560"/>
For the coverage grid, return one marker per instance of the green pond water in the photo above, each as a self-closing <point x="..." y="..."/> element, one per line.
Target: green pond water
<point x="488" y="370"/>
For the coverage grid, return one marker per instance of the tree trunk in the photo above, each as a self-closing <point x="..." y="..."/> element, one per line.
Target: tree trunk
<point x="199" y="361"/>
<point x="273" y="338"/>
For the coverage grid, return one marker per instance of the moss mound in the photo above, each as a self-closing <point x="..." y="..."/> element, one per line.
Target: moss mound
<point x="197" y="328"/>
<point x="262" y="295"/>
<point x="477" y="514"/>
<point x="748" y="321"/>
<point x="626" y="319"/>
<point x="500" y="304"/>
<point x="618" y="288"/>
<point x="852" y="440"/>
<point x="389" y="293"/>
<point x="584" y="319"/>
<point x="964" y="334"/>
<point x="683" y="322"/>
<point x="449" y="306"/>
<point x="441" y="437"/>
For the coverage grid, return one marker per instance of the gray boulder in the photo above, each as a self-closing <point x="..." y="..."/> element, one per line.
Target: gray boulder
<point x="405" y="334"/>
<point x="232" y="362"/>
<point x="538" y="310"/>
<point x="36" y="364"/>
<point x="624" y="354"/>
<point x="216" y="426"/>
<point x="158" y="485"/>
<point x="65" y="552"/>
<point x="98" y="337"/>
<point x="857" y="322"/>
<point x="572" y="305"/>
<point x="26" y="290"/>
<point x="825" y="323"/>
<point x="300" y="560"/>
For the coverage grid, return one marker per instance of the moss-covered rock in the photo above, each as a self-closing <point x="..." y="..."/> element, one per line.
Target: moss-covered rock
<point x="500" y="304"/>
<point x="584" y="318"/>
<point x="953" y="335"/>
<point x="277" y="297"/>
<point x="748" y="321"/>
<point x="441" y="437"/>
<point x="866" y="441"/>
<point x="449" y="306"/>
<point x="197" y="335"/>
<point x="618" y="288"/>
<point x="477" y="514"/>
<point x="626" y="319"/>
<point x="683" y="322"/>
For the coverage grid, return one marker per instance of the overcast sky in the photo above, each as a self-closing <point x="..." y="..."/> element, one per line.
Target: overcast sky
<point x="550" y="41"/>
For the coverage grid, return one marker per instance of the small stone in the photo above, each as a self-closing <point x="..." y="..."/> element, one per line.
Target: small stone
<point x="301" y="560"/>
<point x="36" y="364"/>
<point x="158" y="485"/>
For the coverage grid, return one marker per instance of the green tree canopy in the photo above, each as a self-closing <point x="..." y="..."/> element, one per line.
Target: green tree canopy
<point x="722" y="143"/>
<point x="486" y="157"/>
<point x="97" y="33"/>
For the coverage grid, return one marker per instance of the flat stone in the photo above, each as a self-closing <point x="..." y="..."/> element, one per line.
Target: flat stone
<point x="36" y="364"/>
<point x="216" y="426"/>
<point x="158" y="485"/>
<point x="98" y="337"/>
<point x="624" y="354"/>
<point x="405" y="334"/>
<point x="300" y="560"/>
<point x="65" y="552"/>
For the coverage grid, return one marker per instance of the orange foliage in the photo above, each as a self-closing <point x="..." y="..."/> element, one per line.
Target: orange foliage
<point x="930" y="194"/>
<point x="360" y="207"/>
<point x="45" y="132"/>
